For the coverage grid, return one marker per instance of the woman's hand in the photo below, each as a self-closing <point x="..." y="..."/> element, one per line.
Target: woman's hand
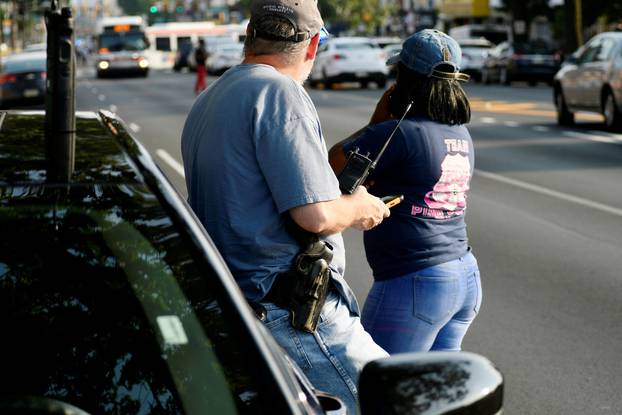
<point x="382" y="113"/>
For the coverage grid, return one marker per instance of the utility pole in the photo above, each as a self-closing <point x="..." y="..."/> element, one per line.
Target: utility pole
<point x="578" y="15"/>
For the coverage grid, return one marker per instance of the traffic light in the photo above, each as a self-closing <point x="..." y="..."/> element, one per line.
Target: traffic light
<point x="153" y="9"/>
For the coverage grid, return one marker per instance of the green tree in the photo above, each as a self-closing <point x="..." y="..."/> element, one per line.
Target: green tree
<point x="135" y="6"/>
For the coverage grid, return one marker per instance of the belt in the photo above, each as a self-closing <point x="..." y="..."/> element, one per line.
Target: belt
<point x="281" y="290"/>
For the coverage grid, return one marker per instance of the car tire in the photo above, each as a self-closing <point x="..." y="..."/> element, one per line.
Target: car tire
<point x="382" y="83"/>
<point x="485" y="77"/>
<point x="364" y="84"/>
<point x="564" y="116"/>
<point x="504" y="76"/>
<point x="611" y="112"/>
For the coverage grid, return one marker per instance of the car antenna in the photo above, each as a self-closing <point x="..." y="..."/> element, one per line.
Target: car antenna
<point x="60" y="116"/>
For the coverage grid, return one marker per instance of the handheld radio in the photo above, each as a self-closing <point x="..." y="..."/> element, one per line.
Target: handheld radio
<point x="359" y="166"/>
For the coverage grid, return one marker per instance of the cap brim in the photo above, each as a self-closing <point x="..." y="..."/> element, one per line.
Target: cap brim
<point x="393" y="59"/>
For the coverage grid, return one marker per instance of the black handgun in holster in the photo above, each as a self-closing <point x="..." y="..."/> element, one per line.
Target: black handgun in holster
<point x="310" y="284"/>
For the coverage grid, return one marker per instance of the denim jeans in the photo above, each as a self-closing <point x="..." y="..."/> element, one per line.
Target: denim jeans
<point x="334" y="355"/>
<point x="430" y="309"/>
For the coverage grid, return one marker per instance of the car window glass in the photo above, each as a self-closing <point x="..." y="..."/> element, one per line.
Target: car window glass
<point x="590" y="52"/>
<point x="604" y="53"/>
<point x="115" y="42"/>
<point x="24" y="65"/>
<point x="106" y="309"/>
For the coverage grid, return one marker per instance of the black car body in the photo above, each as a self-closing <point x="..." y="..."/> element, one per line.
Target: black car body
<point x="22" y="78"/>
<point x="531" y="61"/>
<point x="591" y="80"/>
<point x="114" y="300"/>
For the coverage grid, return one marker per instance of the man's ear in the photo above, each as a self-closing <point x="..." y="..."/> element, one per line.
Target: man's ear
<point x="312" y="49"/>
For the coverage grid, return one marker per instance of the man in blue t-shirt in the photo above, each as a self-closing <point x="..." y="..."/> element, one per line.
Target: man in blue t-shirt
<point x="254" y="154"/>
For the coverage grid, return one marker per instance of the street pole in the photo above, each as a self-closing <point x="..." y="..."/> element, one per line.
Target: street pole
<point x="578" y="14"/>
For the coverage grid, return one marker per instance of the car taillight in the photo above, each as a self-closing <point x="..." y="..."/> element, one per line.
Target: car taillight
<point x="44" y="75"/>
<point x="7" y="79"/>
<point x="338" y="57"/>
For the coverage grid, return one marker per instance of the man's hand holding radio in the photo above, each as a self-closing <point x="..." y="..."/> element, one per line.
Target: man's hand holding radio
<point x="371" y="212"/>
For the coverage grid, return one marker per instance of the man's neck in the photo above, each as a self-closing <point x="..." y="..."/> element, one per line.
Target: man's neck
<point x="296" y="72"/>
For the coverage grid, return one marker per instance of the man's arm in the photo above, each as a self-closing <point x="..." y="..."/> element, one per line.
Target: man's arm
<point x="359" y="210"/>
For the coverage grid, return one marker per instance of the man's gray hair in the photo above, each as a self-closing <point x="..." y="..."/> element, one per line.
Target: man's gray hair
<point x="276" y="26"/>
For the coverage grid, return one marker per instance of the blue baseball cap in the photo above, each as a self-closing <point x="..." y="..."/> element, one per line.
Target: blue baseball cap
<point x="428" y="50"/>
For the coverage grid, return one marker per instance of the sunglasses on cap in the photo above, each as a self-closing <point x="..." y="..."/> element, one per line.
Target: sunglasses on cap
<point x="323" y="36"/>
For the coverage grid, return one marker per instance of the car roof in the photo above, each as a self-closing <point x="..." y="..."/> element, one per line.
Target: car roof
<point x="98" y="158"/>
<point x="351" y="39"/>
<point x="26" y="55"/>
<point x="475" y="42"/>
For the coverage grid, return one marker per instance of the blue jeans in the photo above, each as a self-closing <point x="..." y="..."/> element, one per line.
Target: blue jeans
<point x="430" y="309"/>
<point x="334" y="355"/>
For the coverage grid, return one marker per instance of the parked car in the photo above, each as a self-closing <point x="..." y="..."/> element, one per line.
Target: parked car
<point x="223" y="57"/>
<point x="532" y="61"/>
<point x="182" y="56"/>
<point x="391" y="50"/>
<point x="22" y="79"/>
<point x="114" y="300"/>
<point x="349" y="59"/>
<point x="474" y="53"/>
<point x="591" y="80"/>
<point x="211" y="44"/>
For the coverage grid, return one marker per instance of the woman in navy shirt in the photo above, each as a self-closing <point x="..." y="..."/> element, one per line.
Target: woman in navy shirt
<point x="426" y="289"/>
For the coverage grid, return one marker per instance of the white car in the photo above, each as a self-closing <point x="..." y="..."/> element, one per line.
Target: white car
<point x="349" y="59"/>
<point x="223" y="57"/>
<point x="474" y="53"/>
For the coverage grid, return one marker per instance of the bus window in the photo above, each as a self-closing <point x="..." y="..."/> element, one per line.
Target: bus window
<point x="163" y="43"/>
<point x="183" y="39"/>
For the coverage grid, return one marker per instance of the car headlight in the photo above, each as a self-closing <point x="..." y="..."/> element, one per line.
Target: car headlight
<point x="103" y="65"/>
<point x="143" y="63"/>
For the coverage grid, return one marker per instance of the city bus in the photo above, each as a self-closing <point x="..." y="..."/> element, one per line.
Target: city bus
<point x="121" y="46"/>
<point x="166" y="39"/>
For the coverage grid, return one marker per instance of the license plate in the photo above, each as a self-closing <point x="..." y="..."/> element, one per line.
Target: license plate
<point x="30" y="93"/>
<point x="360" y="74"/>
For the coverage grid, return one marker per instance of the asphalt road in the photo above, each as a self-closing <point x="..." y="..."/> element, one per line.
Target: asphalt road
<point x="544" y="217"/>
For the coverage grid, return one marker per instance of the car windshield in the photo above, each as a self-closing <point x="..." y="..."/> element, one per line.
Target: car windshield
<point x="533" y="48"/>
<point x="24" y="65"/>
<point x="116" y="42"/>
<point x="103" y="308"/>
<point x="355" y="46"/>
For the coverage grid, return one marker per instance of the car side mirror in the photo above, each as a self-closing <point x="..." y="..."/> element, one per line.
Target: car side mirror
<point x="431" y="383"/>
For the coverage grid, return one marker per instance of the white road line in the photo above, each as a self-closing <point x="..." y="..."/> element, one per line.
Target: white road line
<point x="101" y="97"/>
<point x="488" y="120"/>
<point x="134" y="127"/>
<point x="174" y="164"/>
<point x="113" y="108"/>
<point x="510" y="124"/>
<point x="541" y="129"/>
<point x="549" y="192"/>
<point x="590" y="137"/>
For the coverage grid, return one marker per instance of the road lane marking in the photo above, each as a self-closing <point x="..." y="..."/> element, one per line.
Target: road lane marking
<point x="170" y="160"/>
<point x="101" y="97"/>
<point x="550" y="192"/>
<point x="511" y="124"/>
<point x="134" y="127"/>
<point x="488" y="120"/>
<point x="113" y="108"/>
<point x="590" y="137"/>
<point x="541" y="129"/>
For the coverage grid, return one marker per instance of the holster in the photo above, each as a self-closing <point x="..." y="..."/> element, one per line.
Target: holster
<point x="303" y="289"/>
<point x="310" y="285"/>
